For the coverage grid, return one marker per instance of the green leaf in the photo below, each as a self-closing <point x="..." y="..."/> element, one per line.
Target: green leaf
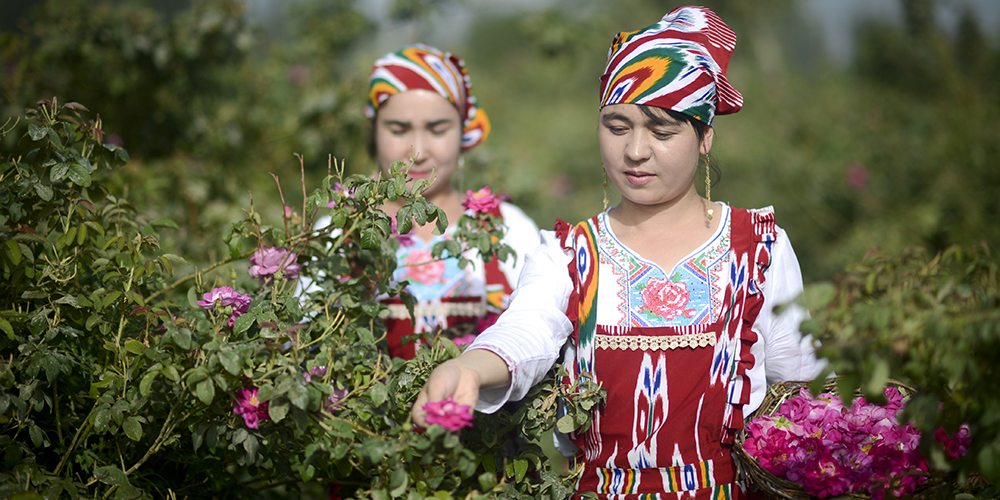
<point x="134" y="346"/>
<point x="370" y="239"/>
<point x="230" y="361"/>
<point x="398" y="482"/>
<point x="379" y="393"/>
<point x="110" y="474"/>
<point x="44" y="191"/>
<point x="520" y="469"/>
<point x="244" y="322"/>
<point x="307" y="473"/>
<point x="277" y="409"/>
<point x="147" y="382"/>
<point x="205" y="390"/>
<point x="566" y="424"/>
<point x="101" y="420"/>
<point x="58" y="172"/>
<point x="36" y="132"/>
<point x="132" y="428"/>
<point x="118" y="151"/>
<point x="299" y="396"/>
<point x="5" y="326"/>
<point x="79" y="175"/>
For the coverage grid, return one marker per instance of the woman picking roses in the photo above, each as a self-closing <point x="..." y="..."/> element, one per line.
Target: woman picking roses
<point x="669" y="297"/>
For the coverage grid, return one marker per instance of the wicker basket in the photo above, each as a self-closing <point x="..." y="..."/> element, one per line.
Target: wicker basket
<point x="768" y="485"/>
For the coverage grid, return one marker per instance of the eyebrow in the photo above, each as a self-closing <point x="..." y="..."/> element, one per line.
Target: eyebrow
<point x="612" y="116"/>
<point x="443" y="121"/>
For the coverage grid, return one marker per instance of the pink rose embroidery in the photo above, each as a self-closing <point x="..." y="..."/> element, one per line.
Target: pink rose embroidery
<point x="427" y="273"/>
<point x="666" y="298"/>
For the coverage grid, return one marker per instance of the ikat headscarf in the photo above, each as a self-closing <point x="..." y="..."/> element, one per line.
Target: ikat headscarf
<point x="678" y="63"/>
<point x="424" y="67"/>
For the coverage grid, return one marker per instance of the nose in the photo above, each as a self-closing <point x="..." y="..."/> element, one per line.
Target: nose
<point x="419" y="141"/>
<point x="638" y="149"/>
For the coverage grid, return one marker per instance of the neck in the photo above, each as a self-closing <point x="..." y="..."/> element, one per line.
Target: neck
<point x="681" y="212"/>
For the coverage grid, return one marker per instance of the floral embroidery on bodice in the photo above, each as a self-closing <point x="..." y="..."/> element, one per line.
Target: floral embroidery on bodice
<point x="432" y="279"/>
<point x="636" y="292"/>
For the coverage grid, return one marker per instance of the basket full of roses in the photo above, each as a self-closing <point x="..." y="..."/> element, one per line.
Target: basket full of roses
<point x="800" y="446"/>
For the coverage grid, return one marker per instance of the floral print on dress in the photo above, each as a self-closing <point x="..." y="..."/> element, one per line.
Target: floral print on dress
<point x="430" y="278"/>
<point x="665" y="298"/>
<point x="421" y="267"/>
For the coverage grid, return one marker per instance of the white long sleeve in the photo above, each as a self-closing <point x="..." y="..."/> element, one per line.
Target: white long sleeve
<point x="530" y="333"/>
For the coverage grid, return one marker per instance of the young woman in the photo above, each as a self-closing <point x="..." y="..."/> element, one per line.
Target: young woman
<point x="422" y="108"/>
<point x="667" y="299"/>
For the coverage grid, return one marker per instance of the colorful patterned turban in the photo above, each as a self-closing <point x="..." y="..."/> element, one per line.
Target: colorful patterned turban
<point x="424" y="67"/>
<point x="678" y="63"/>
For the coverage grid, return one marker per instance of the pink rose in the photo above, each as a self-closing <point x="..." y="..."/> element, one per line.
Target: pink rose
<point x="267" y="261"/>
<point x="666" y="298"/>
<point x="449" y="414"/>
<point x="429" y="271"/>
<point x="482" y="201"/>
<point x="249" y="407"/>
<point x="464" y="340"/>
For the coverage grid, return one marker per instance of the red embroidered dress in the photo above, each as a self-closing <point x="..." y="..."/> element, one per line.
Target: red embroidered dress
<point x="671" y="348"/>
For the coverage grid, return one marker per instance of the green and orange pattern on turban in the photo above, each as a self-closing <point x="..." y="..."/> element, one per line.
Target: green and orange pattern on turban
<point x="424" y="67"/>
<point x="678" y="63"/>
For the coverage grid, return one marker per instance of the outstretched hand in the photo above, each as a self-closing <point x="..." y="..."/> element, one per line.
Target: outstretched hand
<point x="460" y="378"/>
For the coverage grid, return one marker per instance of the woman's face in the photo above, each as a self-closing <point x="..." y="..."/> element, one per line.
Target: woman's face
<point x="420" y="124"/>
<point x="650" y="162"/>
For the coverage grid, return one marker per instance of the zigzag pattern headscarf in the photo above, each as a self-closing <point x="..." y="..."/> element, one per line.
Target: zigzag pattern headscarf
<point x="678" y="63"/>
<point x="424" y="67"/>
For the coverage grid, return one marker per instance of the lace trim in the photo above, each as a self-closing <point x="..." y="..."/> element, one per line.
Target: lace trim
<point x="439" y="309"/>
<point x="651" y="343"/>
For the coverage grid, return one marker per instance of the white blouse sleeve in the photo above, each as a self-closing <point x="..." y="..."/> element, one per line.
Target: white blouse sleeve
<point x="522" y="236"/>
<point x="781" y="353"/>
<point x="530" y="333"/>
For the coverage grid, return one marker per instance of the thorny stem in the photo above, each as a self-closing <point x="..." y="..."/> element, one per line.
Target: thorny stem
<point x="197" y="274"/>
<point x="80" y="433"/>
<point x="281" y="195"/>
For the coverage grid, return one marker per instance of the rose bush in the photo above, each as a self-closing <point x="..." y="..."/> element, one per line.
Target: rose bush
<point x="119" y="379"/>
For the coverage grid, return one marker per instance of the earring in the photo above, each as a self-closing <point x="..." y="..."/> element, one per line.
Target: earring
<point x="461" y="174"/>
<point x="708" y="187"/>
<point x="605" y="189"/>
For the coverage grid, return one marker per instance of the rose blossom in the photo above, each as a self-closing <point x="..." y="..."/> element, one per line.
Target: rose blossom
<point x="270" y="260"/>
<point x="957" y="445"/>
<point x="666" y="298"/>
<point x="448" y="414"/>
<point x="316" y="371"/>
<point x="249" y="407"/>
<point x="333" y="402"/>
<point x="482" y="201"/>
<point x="225" y="296"/>
<point x="338" y="188"/>
<point x="464" y="340"/>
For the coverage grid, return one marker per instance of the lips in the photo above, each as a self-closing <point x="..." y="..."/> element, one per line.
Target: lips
<point x="639" y="178"/>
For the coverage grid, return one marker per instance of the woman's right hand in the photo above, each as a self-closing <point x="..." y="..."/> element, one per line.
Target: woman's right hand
<point x="461" y="378"/>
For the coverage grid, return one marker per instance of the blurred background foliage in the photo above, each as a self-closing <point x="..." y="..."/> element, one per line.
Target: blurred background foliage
<point x="892" y="148"/>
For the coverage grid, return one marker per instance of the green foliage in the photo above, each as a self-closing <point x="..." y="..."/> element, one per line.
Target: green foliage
<point x="117" y="381"/>
<point x="931" y="321"/>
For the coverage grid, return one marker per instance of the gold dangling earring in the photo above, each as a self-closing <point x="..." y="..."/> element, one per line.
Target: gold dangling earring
<point x="708" y="188"/>
<point x="461" y="174"/>
<point x="605" y="188"/>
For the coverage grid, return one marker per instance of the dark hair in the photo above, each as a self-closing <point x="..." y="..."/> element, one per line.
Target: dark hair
<point x="699" y="129"/>
<point x="372" y="150"/>
<point x="699" y="126"/>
